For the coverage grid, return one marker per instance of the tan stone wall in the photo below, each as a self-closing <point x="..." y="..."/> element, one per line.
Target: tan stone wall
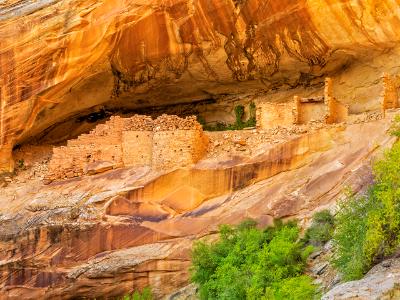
<point x="6" y="163"/>
<point x="336" y="112"/>
<point x="390" y="97"/>
<point x="271" y="115"/>
<point x="104" y="143"/>
<point x="137" y="148"/>
<point x="178" y="148"/>
<point x="302" y="110"/>
<point x="311" y="111"/>
<point x="167" y="142"/>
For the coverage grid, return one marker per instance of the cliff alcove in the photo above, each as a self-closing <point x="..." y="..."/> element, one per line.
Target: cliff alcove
<point x="94" y="205"/>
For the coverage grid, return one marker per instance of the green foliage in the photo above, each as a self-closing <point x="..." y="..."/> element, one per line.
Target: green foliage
<point x="349" y="236"/>
<point x="239" y="112"/>
<point x="20" y="164"/>
<point x="146" y="294"/>
<point x="395" y="130"/>
<point x="239" y="123"/>
<point x="321" y="229"/>
<point x="201" y="120"/>
<point x="249" y="263"/>
<point x="368" y="228"/>
<point x="295" y="288"/>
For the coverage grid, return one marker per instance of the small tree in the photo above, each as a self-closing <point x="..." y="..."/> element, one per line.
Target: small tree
<point x="249" y="263"/>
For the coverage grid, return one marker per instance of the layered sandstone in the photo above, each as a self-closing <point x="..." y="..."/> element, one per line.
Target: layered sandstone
<point x="326" y="109"/>
<point x="112" y="233"/>
<point x="59" y="58"/>
<point x="165" y="143"/>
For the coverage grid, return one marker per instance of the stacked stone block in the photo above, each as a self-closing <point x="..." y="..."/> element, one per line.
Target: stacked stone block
<point x="390" y="97"/>
<point x="325" y="109"/>
<point x="167" y="142"/>
<point x="270" y="115"/>
<point x="336" y="112"/>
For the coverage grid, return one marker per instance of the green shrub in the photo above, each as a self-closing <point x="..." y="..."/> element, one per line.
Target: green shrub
<point x="239" y="112"/>
<point x="349" y="236"/>
<point x="201" y="120"/>
<point x="321" y="229"/>
<point x="146" y="294"/>
<point x="395" y="129"/>
<point x="239" y="123"/>
<point x="20" y="164"/>
<point x="249" y="263"/>
<point x="368" y="228"/>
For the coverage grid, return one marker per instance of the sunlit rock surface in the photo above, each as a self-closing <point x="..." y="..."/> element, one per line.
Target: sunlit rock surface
<point x="58" y="58"/>
<point x="381" y="282"/>
<point x="112" y="233"/>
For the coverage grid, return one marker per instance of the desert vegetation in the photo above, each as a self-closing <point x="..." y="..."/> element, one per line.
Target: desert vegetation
<point x="251" y="263"/>
<point x="145" y="294"/>
<point x="239" y="123"/>
<point x="321" y="229"/>
<point x="368" y="226"/>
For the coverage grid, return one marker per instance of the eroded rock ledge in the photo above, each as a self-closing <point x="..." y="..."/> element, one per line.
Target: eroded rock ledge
<point x="110" y="233"/>
<point x="58" y="58"/>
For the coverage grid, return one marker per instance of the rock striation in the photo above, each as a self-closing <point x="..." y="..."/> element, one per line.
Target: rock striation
<point x="111" y="233"/>
<point x="164" y="143"/>
<point x="59" y="58"/>
<point x="381" y="282"/>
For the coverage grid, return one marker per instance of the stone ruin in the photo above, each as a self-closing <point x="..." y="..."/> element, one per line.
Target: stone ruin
<point x="164" y="143"/>
<point x="390" y="96"/>
<point x="170" y="141"/>
<point x="326" y="109"/>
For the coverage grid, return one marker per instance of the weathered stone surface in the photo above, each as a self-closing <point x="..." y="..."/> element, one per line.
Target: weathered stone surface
<point x="381" y="282"/>
<point x="114" y="232"/>
<point x="98" y="167"/>
<point x="59" y="58"/>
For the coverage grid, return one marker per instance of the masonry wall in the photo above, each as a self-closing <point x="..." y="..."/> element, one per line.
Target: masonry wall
<point x="104" y="143"/>
<point x="390" y="93"/>
<point x="178" y="148"/>
<point x="167" y="142"/>
<point x="336" y="112"/>
<point x="303" y="110"/>
<point x="310" y="111"/>
<point x="271" y="115"/>
<point x="137" y="148"/>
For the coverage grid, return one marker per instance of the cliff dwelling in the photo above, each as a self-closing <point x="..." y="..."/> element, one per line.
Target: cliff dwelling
<point x="390" y="94"/>
<point x="326" y="109"/>
<point x="213" y="149"/>
<point x="164" y="143"/>
<point x="168" y="141"/>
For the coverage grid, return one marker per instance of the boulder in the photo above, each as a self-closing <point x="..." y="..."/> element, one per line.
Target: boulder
<point x="98" y="167"/>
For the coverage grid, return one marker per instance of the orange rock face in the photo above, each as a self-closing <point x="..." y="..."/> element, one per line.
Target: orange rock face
<point x="109" y="234"/>
<point x="60" y="58"/>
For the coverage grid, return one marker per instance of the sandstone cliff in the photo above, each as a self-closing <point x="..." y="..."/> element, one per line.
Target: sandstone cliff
<point x="58" y="58"/>
<point x="112" y="233"/>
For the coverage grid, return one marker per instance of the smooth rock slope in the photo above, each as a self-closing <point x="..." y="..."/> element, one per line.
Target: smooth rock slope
<point x="61" y="57"/>
<point x="125" y="229"/>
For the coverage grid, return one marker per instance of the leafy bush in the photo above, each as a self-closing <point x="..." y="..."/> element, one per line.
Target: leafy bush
<point x="368" y="228"/>
<point x="395" y="130"/>
<point x="21" y="164"/>
<point x="349" y="236"/>
<point x="239" y="123"/>
<point x="321" y="229"/>
<point x="239" y="112"/>
<point x="146" y="294"/>
<point x="248" y="263"/>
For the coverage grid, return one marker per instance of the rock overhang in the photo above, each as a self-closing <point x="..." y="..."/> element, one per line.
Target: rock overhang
<point x="58" y="59"/>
